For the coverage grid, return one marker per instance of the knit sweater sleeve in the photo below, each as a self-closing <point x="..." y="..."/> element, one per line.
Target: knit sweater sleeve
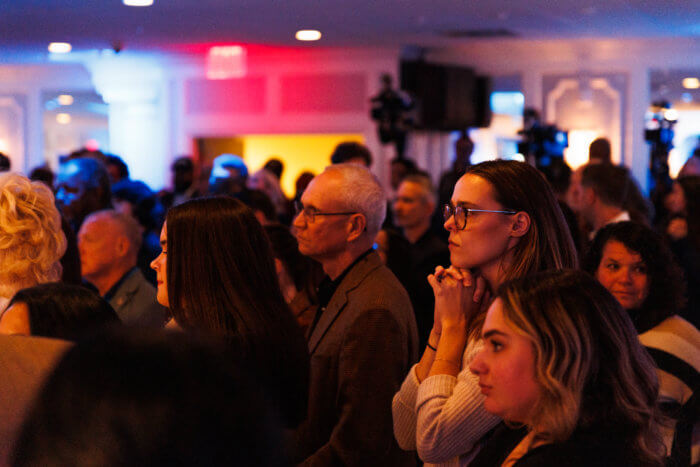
<point x="450" y="415"/>
<point x="403" y="409"/>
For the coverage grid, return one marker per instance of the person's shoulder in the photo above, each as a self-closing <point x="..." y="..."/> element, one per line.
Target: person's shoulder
<point x="587" y="452"/>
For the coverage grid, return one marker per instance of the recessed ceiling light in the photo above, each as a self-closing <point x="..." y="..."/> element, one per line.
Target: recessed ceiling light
<point x="63" y="119"/>
<point x="308" y="35"/>
<point x="137" y="2"/>
<point x="59" y="47"/>
<point x="65" y="99"/>
<point x="691" y="83"/>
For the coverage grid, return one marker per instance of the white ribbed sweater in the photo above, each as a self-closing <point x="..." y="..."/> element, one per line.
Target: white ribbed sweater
<point x="443" y="418"/>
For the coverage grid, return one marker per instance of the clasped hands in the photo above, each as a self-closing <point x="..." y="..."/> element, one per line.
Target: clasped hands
<point x="459" y="296"/>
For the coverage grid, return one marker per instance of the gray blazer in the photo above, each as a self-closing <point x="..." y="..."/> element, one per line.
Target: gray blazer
<point x="135" y="302"/>
<point x="361" y="349"/>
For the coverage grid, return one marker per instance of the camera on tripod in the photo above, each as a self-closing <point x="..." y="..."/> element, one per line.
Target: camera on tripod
<point x="543" y="143"/>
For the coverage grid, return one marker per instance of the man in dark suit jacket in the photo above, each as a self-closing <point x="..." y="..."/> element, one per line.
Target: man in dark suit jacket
<point x="109" y="242"/>
<point x="363" y="339"/>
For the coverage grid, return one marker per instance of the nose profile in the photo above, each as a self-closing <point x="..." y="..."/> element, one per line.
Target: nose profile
<point x="477" y="365"/>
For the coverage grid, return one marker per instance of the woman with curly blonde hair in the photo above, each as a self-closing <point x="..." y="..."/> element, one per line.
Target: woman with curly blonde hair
<point x="561" y="359"/>
<point x="31" y="240"/>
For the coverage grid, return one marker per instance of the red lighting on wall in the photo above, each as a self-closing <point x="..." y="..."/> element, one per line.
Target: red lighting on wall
<point x="226" y="62"/>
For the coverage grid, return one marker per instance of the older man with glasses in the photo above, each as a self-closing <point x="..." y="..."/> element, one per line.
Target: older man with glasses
<point x="363" y="339"/>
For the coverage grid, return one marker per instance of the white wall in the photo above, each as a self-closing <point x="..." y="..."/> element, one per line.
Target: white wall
<point x="21" y="87"/>
<point x="534" y="60"/>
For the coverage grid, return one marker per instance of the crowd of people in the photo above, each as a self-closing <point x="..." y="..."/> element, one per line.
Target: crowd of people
<point x="508" y="317"/>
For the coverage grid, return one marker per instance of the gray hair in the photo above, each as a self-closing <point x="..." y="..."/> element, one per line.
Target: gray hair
<point x="360" y="191"/>
<point x="130" y="228"/>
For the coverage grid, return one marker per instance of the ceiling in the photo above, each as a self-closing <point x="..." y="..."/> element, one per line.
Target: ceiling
<point x="27" y="26"/>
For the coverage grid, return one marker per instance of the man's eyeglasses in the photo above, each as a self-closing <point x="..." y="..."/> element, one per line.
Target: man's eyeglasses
<point x="311" y="213"/>
<point x="461" y="214"/>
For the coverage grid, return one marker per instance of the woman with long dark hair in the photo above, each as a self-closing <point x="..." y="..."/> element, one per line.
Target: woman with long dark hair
<point x="216" y="275"/>
<point x="504" y="222"/>
<point x="635" y="265"/>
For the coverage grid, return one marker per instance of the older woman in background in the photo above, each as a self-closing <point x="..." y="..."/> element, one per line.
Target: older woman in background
<point x="31" y="240"/>
<point x="635" y="265"/>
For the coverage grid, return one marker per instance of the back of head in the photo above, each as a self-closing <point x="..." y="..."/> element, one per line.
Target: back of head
<point x="5" y="163"/>
<point x="228" y="174"/>
<point x="360" y="191"/>
<point x="222" y="281"/>
<point x="65" y="311"/>
<point x="31" y="240"/>
<point x="141" y="398"/>
<point x="351" y="151"/>
<point x="665" y="283"/>
<point x="120" y="167"/>
<point x="120" y="224"/>
<point x="95" y="193"/>
<point x="592" y="370"/>
<point x="42" y="174"/>
<point x="599" y="151"/>
<point x="520" y="187"/>
<point x="690" y="184"/>
<point x="218" y="255"/>
<point x="615" y="186"/>
<point x="275" y="166"/>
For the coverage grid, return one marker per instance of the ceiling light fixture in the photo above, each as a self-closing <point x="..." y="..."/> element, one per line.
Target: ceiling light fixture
<point x="65" y="99"/>
<point x="691" y="83"/>
<point x="60" y="47"/>
<point x="137" y="2"/>
<point x="308" y="35"/>
<point x="63" y="119"/>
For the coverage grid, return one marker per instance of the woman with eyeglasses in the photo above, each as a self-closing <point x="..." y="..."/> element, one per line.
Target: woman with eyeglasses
<point x="504" y="223"/>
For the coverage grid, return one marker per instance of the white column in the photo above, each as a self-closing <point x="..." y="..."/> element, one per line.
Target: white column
<point x="135" y="90"/>
<point x="636" y="155"/>
<point x="34" y="153"/>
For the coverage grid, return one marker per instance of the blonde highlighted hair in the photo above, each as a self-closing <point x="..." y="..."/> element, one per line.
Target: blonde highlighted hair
<point x="588" y="361"/>
<point x="31" y="240"/>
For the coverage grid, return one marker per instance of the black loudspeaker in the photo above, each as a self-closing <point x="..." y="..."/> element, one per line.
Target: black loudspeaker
<point x="447" y="97"/>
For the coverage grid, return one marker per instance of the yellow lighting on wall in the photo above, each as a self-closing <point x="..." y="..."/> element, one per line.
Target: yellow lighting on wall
<point x="303" y="152"/>
<point x="576" y="154"/>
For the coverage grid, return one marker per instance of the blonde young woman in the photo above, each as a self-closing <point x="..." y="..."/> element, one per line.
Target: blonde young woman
<point x="504" y="223"/>
<point x="31" y="240"/>
<point x="562" y="363"/>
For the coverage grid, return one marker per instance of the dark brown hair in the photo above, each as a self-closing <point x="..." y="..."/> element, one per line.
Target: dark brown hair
<point x="222" y="281"/>
<point x="520" y="187"/>
<point x="666" y="286"/>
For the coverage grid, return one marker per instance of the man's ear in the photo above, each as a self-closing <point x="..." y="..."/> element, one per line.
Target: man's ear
<point x="521" y="224"/>
<point x="122" y="245"/>
<point x="357" y="224"/>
